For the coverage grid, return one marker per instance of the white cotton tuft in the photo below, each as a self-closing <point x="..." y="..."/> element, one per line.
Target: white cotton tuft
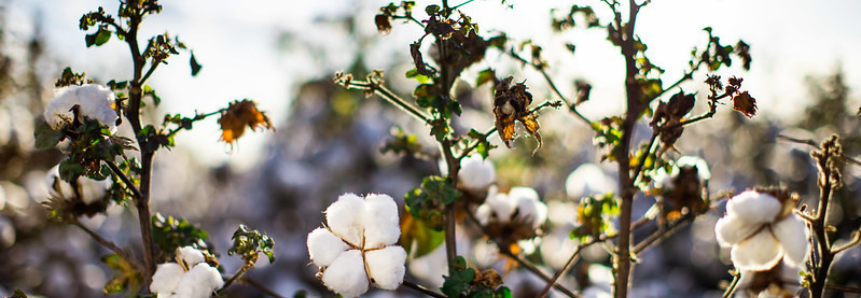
<point x="529" y="208"/>
<point x="90" y="190"/>
<point x="587" y="180"/>
<point x="793" y="235"/>
<point x="759" y="252"/>
<point x="528" y="246"/>
<point x="476" y="173"/>
<point x="94" y="102"/>
<point x="191" y="256"/>
<point x="500" y="206"/>
<point x="556" y="247"/>
<point x="345" y="218"/>
<point x="386" y="266"/>
<point x="483" y="214"/>
<point x="346" y="275"/>
<point x="754" y="207"/>
<point x="199" y="282"/>
<point x="324" y="247"/>
<point x="380" y="220"/>
<point x="166" y="278"/>
<point x="731" y="230"/>
<point x="700" y="164"/>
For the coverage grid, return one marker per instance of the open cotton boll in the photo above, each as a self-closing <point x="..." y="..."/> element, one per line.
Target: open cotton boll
<point x="380" y="221"/>
<point x="476" y="173"/>
<point x="793" y="234"/>
<point x="166" y="278"/>
<point x="191" y="256"/>
<point x="199" y="282"/>
<point x="731" y="230"/>
<point x="499" y="205"/>
<point x="94" y="101"/>
<point x="324" y="247"/>
<point x="345" y="218"/>
<point x="346" y="275"/>
<point x="697" y="162"/>
<point x="759" y="252"/>
<point x="90" y="190"/>
<point x="386" y="266"/>
<point x="754" y="207"/>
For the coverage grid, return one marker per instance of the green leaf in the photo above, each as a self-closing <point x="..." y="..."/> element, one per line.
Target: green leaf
<point x="485" y="76"/>
<point x="47" y="138"/>
<point x="70" y="171"/>
<point x="432" y="9"/>
<point x="90" y="39"/>
<point x="195" y="67"/>
<point x="125" y="277"/>
<point x="19" y="294"/>
<point x="102" y="37"/>
<point x="417" y="235"/>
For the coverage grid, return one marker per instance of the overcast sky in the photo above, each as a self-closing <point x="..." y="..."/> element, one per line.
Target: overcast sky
<point x="256" y="49"/>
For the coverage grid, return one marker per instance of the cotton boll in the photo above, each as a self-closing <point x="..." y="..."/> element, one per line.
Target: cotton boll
<point x="58" y="113"/>
<point x="697" y="162"/>
<point x="760" y="252"/>
<point x="208" y="276"/>
<point x="588" y="179"/>
<point x="754" y="207"/>
<point x="386" y="266"/>
<point x="380" y="221"/>
<point x="97" y="103"/>
<point x="324" y="247"/>
<point x="166" y="278"/>
<point x="476" y="173"/>
<point x="346" y="275"/>
<point x="344" y="218"/>
<point x="731" y="229"/>
<point x="191" y="255"/>
<point x="500" y="206"/>
<point x="793" y="236"/>
<point x="483" y="213"/>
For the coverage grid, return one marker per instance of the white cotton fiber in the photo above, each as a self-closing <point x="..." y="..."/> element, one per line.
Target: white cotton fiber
<point x="166" y="278"/>
<point x="587" y="180"/>
<point x="345" y="218"/>
<point x="500" y="206"/>
<point x="94" y="102"/>
<point x="697" y="162"/>
<point x="380" y="220"/>
<point x="731" y="230"/>
<point x="386" y="266"/>
<point x="754" y="207"/>
<point x="793" y="236"/>
<point x="191" y="256"/>
<point x="346" y="275"/>
<point x="476" y="173"/>
<point x="324" y="247"/>
<point x="760" y="252"/>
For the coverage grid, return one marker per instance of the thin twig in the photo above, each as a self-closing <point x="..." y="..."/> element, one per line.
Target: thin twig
<point x="526" y="264"/>
<point x="239" y="273"/>
<point x="571" y="107"/>
<point x="123" y="253"/>
<point x="196" y="118"/>
<point x="392" y="98"/>
<point x="663" y="234"/>
<point x="261" y="287"/>
<point x="730" y="290"/>
<point x="856" y="238"/>
<point x="812" y="143"/>
<point x="462" y="4"/>
<point x="422" y="289"/>
<point x="124" y="178"/>
<point x="843" y="289"/>
<point x="152" y="67"/>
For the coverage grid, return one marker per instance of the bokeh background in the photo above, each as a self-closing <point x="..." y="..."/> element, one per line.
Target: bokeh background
<point x="282" y="54"/>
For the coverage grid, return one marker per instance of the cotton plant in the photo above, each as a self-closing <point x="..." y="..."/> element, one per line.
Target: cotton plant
<point x="513" y="218"/>
<point x="679" y="187"/>
<point x="75" y="102"/>
<point x="189" y="277"/>
<point x="762" y="229"/>
<point x="357" y="247"/>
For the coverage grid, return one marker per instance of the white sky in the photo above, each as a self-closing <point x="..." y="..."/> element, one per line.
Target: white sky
<point x="243" y="57"/>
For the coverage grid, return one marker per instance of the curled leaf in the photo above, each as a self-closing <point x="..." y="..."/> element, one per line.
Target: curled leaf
<point x="745" y="104"/>
<point x="237" y="116"/>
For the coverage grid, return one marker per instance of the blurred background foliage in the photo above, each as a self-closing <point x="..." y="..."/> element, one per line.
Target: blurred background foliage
<point x="330" y="143"/>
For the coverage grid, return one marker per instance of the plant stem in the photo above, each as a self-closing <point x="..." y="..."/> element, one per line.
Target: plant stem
<point x="235" y="276"/>
<point x="730" y="290"/>
<point x="828" y="181"/>
<point x="389" y="96"/>
<point x="123" y="253"/>
<point x="124" y="178"/>
<point x="622" y="258"/>
<point x="133" y="114"/>
<point x="261" y="287"/>
<point x="450" y="209"/>
<point x="422" y="289"/>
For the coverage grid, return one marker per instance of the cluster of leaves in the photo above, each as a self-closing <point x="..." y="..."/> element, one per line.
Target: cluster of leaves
<point x="126" y="277"/>
<point x="608" y="134"/>
<point x="742" y="101"/>
<point x="417" y="237"/>
<point x="171" y="233"/>
<point x="237" y="116"/>
<point x="567" y="21"/>
<point x="595" y="217"/>
<point x="69" y="77"/>
<point x="250" y="244"/>
<point x="717" y="54"/>
<point x="428" y="201"/>
<point x="668" y="117"/>
<point x="464" y="281"/>
<point x="402" y="143"/>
